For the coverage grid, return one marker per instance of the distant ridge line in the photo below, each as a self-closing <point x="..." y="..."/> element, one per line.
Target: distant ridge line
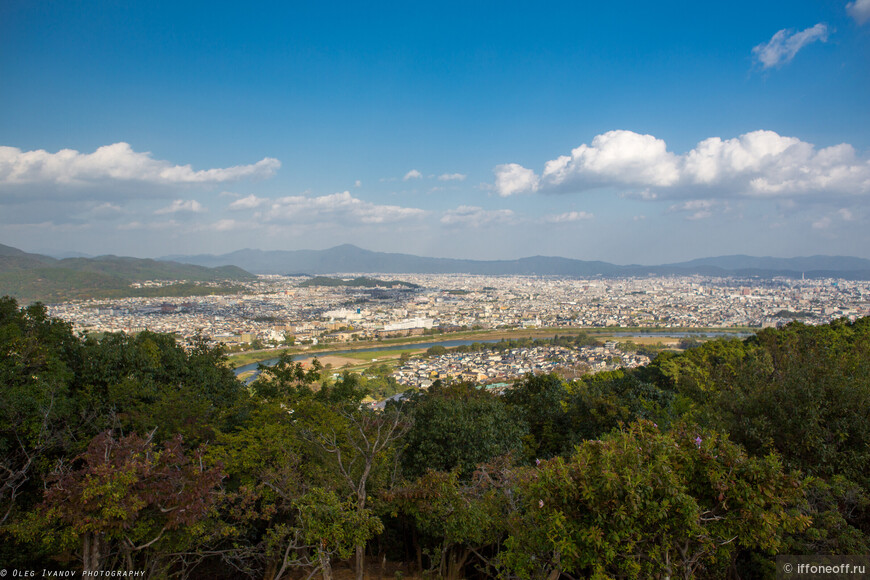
<point x="349" y="258"/>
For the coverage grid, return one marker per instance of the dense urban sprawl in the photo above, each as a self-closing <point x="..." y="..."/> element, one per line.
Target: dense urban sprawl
<point x="275" y="309"/>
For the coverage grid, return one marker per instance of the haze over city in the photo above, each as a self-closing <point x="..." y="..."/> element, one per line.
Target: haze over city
<point x="629" y="132"/>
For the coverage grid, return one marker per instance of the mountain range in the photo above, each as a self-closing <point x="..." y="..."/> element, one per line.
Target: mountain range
<point x="27" y="276"/>
<point x="349" y="258"/>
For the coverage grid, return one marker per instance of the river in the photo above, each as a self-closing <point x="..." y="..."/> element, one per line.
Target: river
<point x="453" y="343"/>
<point x="415" y="345"/>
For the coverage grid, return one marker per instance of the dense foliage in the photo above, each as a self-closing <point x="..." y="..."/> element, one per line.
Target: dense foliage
<point x="130" y="452"/>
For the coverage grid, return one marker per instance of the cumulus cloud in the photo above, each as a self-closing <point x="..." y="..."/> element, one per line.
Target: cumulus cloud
<point x="785" y="44"/>
<point x="760" y="164"/>
<point x="512" y="178"/>
<point x="413" y="174"/>
<point x="340" y="208"/>
<point x="110" y="166"/>
<point x="859" y="10"/>
<point x="567" y="217"/>
<point x="182" y="206"/>
<point x="476" y="217"/>
<point x="452" y="177"/>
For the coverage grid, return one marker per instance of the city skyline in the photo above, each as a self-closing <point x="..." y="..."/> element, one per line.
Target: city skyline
<point x="629" y="134"/>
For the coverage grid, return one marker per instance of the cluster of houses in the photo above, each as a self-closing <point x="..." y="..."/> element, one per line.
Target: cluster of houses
<point x="495" y="368"/>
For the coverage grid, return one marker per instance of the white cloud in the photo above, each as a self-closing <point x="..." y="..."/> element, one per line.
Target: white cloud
<point x="249" y="202"/>
<point x="512" y="178"/>
<point x="452" y="177"/>
<point x="341" y="208"/>
<point x="616" y="155"/>
<point x="859" y="10"/>
<point x="785" y="44"/>
<point x="413" y="174"/>
<point x="567" y="217"/>
<point x="182" y="206"/>
<point x="110" y="166"/>
<point x="760" y="164"/>
<point x="846" y="215"/>
<point x="357" y="183"/>
<point x="475" y="217"/>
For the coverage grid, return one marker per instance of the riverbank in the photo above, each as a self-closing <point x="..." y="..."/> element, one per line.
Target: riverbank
<point x="616" y="333"/>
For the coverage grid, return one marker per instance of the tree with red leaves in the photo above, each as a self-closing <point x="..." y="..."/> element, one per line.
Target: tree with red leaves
<point x="122" y="497"/>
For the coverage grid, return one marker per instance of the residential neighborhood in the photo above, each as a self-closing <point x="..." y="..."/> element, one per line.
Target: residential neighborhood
<point x="275" y="310"/>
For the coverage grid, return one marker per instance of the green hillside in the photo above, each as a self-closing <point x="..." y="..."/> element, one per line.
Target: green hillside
<point x="32" y="277"/>
<point x="361" y="282"/>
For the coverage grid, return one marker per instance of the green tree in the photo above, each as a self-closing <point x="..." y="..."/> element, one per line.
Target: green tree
<point x="436" y="350"/>
<point x="541" y="401"/>
<point x="462" y="517"/>
<point x="335" y="528"/>
<point x="286" y="379"/>
<point x="38" y="406"/>
<point x="644" y="504"/>
<point x="353" y="444"/>
<point x="458" y="426"/>
<point x="800" y="391"/>
<point x="145" y="381"/>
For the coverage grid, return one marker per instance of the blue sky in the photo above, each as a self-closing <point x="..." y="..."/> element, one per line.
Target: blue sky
<point x="630" y="132"/>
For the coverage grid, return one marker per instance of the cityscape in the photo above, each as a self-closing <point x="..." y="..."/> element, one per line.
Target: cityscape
<point x="274" y="308"/>
<point x="435" y="291"/>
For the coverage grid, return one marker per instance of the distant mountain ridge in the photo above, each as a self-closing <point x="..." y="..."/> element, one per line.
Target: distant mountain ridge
<point x="29" y="276"/>
<point x="349" y="258"/>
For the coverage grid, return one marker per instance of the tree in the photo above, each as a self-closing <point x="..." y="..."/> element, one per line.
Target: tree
<point x="286" y="379"/>
<point x="462" y="517"/>
<point x="120" y="498"/>
<point x="458" y="426"/>
<point x="333" y="527"/>
<point x="641" y="504"/>
<point x="436" y="350"/>
<point x="800" y="391"/>
<point x="137" y="383"/>
<point x="541" y="401"/>
<point x="38" y="410"/>
<point x="355" y="441"/>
